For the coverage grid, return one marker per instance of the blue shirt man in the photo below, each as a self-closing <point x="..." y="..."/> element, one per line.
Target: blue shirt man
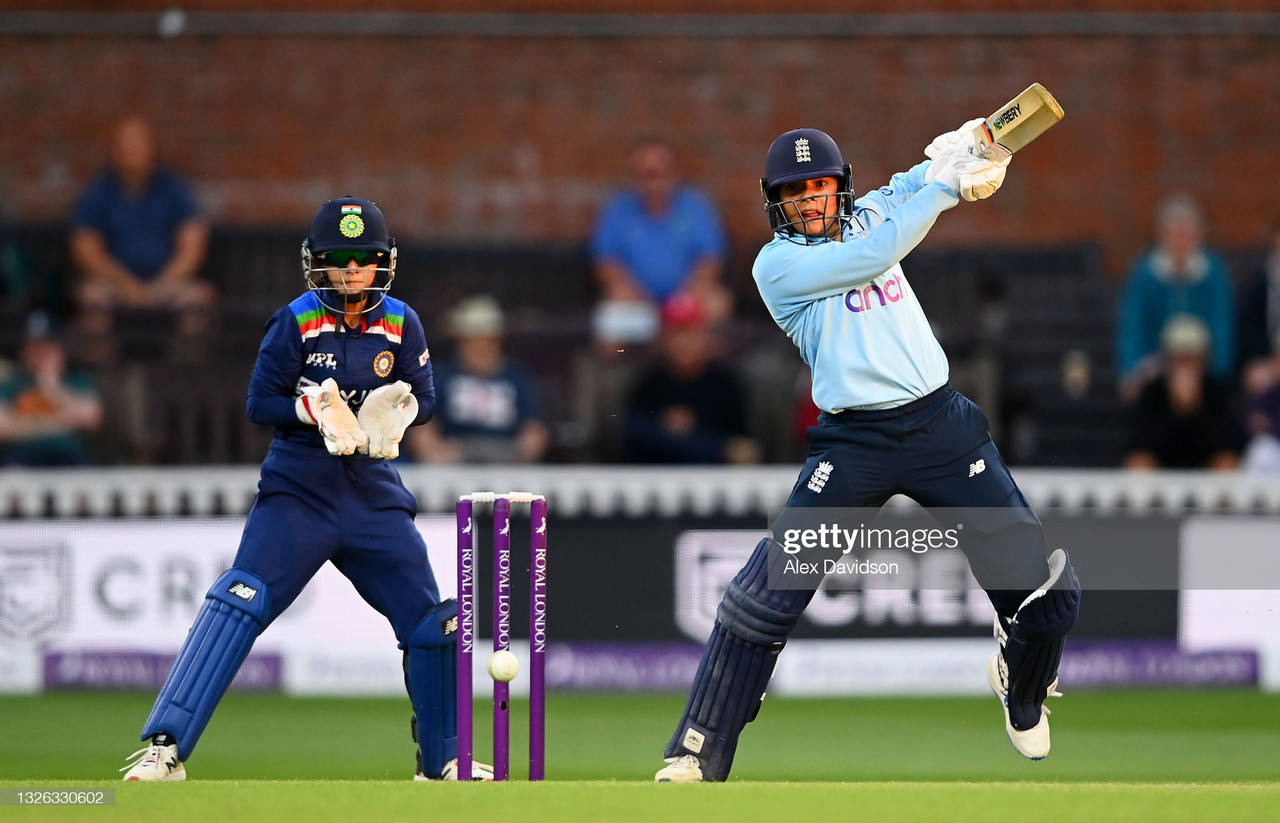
<point x="652" y="241"/>
<point x="138" y="240"/>
<point x="140" y="228"/>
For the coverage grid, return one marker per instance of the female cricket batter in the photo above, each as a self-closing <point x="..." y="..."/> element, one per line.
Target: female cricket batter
<point x="890" y="424"/>
<point x="342" y="371"/>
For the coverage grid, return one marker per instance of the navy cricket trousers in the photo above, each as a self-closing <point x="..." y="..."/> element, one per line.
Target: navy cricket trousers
<point x="353" y="511"/>
<point x="938" y="451"/>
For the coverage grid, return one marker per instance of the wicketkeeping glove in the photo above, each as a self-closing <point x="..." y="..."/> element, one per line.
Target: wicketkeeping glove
<point x="386" y="413"/>
<point x="323" y="406"/>
<point x="971" y="176"/>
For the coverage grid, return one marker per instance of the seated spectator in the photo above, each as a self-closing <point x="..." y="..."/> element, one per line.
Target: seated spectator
<point x="138" y="241"/>
<point x="1178" y="276"/>
<point x="653" y="240"/>
<point x="1183" y="418"/>
<point x="45" y="411"/>
<point x="487" y="406"/>
<point x="1262" y="427"/>
<point x="688" y="407"/>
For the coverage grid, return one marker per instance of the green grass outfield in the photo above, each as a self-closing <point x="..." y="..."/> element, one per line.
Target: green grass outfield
<point x="1131" y="756"/>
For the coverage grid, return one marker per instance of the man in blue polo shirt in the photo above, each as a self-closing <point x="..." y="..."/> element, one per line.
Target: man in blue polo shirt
<point x="138" y="239"/>
<point x="653" y="240"/>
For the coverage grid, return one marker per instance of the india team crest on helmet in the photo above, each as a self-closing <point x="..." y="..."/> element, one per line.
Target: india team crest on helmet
<point x="383" y="363"/>
<point x="351" y="224"/>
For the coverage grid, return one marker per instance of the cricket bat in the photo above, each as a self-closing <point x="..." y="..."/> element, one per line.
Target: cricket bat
<point x="1018" y="122"/>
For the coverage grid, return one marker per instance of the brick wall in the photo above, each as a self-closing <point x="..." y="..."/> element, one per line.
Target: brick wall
<point x="522" y="137"/>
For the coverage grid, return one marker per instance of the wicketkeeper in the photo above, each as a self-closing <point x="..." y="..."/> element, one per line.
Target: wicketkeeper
<point x="342" y="371"/>
<point x="890" y="424"/>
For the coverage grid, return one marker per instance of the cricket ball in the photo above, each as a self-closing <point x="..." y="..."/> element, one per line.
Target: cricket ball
<point x="503" y="666"/>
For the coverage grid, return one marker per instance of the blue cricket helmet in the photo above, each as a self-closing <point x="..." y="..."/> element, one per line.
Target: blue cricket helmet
<point x="348" y="224"/>
<point x="804" y="154"/>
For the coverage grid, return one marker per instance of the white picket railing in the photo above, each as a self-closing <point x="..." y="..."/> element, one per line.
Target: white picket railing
<point x="595" y="491"/>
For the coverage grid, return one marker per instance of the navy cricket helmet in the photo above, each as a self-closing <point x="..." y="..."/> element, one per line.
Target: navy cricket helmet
<point x="804" y="154"/>
<point x="346" y="231"/>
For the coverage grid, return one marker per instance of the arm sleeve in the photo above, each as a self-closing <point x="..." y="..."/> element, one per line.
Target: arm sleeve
<point x="274" y="383"/>
<point x="711" y="237"/>
<point x="528" y="403"/>
<point x="1146" y="418"/>
<point x="899" y="190"/>
<point x="1130" y="345"/>
<point x="182" y="204"/>
<point x="1222" y="328"/>
<point x="415" y="368"/>
<point x="88" y="214"/>
<point x="605" y="238"/>
<point x="788" y="273"/>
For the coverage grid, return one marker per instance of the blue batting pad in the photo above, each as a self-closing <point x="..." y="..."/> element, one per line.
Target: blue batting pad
<point x="430" y="672"/>
<point x="1037" y="635"/>
<point x="752" y="625"/>
<point x="235" y="612"/>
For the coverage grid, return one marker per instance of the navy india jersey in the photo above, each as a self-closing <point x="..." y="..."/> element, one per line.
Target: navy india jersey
<point x="305" y="344"/>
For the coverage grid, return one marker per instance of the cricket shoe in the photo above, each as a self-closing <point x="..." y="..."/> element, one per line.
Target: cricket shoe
<point x="157" y="763"/>
<point x="1032" y="742"/>
<point x="682" y="769"/>
<point x="479" y="771"/>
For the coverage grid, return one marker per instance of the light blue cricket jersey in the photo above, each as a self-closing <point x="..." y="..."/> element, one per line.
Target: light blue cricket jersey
<point x="848" y="307"/>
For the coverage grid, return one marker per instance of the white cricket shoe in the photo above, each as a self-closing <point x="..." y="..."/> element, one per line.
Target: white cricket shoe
<point x="156" y="763"/>
<point x="479" y="771"/>
<point x="682" y="769"/>
<point x="1033" y="742"/>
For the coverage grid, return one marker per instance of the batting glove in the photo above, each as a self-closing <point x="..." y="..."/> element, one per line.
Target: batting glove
<point x="324" y="407"/>
<point x="386" y="413"/>
<point x="961" y="139"/>
<point x="971" y="176"/>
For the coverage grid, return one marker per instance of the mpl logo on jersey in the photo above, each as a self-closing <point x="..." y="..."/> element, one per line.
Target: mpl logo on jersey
<point x="324" y="360"/>
<point x="873" y="294"/>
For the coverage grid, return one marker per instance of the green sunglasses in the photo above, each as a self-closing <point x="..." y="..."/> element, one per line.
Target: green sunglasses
<point x="342" y="259"/>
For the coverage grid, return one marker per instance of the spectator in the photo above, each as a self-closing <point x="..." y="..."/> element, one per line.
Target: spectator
<point x="1178" y="276"/>
<point x="652" y="241"/>
<point x="138" y="241"/>
<point x="45" y="411"/>
<point x="488" y="409"/>
<point x="1183" y="418"/>
<point x="1260" y="321"/>
<point x="1262" y="427"/>
<point x="688" y="407"/>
